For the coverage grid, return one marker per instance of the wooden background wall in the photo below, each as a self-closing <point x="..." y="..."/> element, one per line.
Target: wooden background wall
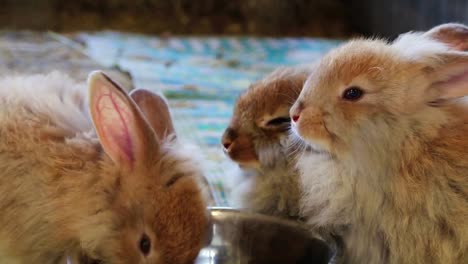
<point x="325" y="18"/>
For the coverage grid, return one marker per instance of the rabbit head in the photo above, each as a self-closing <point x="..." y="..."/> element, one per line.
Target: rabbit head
<point x="260" y="122"/>
<point x="158" y="214"/>
<point x="371" y="93"/>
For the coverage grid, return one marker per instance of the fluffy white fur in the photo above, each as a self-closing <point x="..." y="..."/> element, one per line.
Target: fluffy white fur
<point x="54" y="95"/>
<point x="273" y="188"/>
<point x="418" y="47"/>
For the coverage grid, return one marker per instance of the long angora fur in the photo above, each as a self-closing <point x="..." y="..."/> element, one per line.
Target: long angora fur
<point x="63" y="193"/>
<point x="388" y="171"/>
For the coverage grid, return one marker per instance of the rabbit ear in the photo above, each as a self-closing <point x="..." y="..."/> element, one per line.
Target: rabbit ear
<point x="156" y="111"/>
<point x="449" y="79"/>
<point x="453" y="34"/>
<point x="122" y="130"/>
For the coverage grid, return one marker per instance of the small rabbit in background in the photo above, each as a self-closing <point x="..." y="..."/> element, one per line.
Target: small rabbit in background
<point x="91" y="174"/>
<point x="257" y="139"/>
<point x="386" y="125"/>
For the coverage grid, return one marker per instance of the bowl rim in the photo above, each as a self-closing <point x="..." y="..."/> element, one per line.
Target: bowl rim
<point x="331" y="243"/>
<point x="263" y="217"/>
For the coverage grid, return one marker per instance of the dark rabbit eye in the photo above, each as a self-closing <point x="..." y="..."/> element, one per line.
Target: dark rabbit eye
<point x="145" y="244"/>
<point x="279" y="121"/>
<point x="353" y="93"/>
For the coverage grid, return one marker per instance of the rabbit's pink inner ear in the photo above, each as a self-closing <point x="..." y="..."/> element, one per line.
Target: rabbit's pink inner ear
<point x="113" y="119"/>
<point x="452" y="81"/>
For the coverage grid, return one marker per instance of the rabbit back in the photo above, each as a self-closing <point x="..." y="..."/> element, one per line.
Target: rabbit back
<point x="45" y="133"/>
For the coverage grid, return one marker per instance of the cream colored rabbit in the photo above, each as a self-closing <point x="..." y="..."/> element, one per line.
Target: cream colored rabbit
<point x="257" y="139"/>
<point x="386" y="125"/>
<point x="88" y="173"/>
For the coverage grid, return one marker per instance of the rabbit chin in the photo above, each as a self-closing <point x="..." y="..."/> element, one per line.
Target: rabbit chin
<point x="249" y="165"/>
<point x="314" y="145"/>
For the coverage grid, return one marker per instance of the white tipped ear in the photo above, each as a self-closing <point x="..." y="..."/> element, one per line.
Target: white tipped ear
<point x="124" y="134"/>
<point x="453" y="34"/>
<point x="449" y="79"/>
<point x="156" y="111"/>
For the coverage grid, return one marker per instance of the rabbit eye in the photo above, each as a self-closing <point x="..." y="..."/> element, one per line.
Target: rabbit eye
<point x="353" y="93"/>
<point x="279" y="121"/>
<point x="145" y="244"/>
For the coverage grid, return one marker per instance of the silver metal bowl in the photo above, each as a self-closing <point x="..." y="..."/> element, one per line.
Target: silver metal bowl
<point x="239" y="237"/>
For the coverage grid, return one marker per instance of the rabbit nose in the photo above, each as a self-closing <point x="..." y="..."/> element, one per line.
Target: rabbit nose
<point x="295" y="118"/>
<point x="226" y="145"/>
<point x="295" y="112"/>
<point x="228" y="138"/>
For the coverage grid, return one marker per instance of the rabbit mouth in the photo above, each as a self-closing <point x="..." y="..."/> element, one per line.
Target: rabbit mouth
<point x="308" y="146"/>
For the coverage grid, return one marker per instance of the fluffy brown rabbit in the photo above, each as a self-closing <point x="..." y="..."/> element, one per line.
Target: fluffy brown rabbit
<point x="257" y="139"/>
<point x="85" y="172"/>
<point x="386" y="125"/>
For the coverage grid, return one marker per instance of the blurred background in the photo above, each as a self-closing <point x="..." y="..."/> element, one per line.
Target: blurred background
<point x="199" y="53"/>
<point x="324" y="18"/>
